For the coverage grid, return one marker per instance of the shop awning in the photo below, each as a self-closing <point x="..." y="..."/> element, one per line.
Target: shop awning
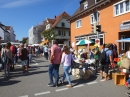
<point x="123" y="40"/>
<point x="44" y="42"/>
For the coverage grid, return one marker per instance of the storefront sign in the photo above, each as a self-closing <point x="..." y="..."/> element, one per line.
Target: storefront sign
<point x="125" y="26"/>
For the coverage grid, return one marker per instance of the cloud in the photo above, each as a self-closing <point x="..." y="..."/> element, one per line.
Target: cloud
<point x="17" y="3"/>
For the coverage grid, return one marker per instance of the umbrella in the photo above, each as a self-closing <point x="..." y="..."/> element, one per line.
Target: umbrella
<point x="83" y="42"/>
<point x="123" y="40"/>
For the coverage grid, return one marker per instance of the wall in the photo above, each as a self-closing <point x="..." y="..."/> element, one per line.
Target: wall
<point x="67" y="24"/>
<point x="2" y="34"/>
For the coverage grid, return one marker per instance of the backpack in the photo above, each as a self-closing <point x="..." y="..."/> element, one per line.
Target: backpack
<point x="4" y="57"/>
<point x="102" y="57"/>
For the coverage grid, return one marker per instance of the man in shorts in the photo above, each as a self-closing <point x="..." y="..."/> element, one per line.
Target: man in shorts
<point x="109" y="60"/>
<point x="24" y="58"/>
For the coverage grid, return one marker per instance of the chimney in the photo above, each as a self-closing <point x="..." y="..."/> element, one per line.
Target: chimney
<point x="55" y="16"/>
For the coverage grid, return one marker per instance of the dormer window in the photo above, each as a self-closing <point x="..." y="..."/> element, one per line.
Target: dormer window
<point x="86" y="5"/>
<point x="63" y="24"/>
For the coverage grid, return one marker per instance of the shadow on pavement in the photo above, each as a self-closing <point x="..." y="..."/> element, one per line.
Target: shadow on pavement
<point x="7" y="82"/>
<point x="78" y="81"/>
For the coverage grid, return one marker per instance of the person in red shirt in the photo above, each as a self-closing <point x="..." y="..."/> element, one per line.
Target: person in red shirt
<point x="12" y="48"/>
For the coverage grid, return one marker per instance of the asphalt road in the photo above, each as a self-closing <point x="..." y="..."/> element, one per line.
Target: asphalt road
<point x="35" y="84"/>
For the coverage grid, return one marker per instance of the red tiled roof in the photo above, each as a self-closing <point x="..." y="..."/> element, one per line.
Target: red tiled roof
<point x="7" y="27"/>
<point x="51" y="20"/>
<point x="56" y="20"/>
<point x="64" y="14"/>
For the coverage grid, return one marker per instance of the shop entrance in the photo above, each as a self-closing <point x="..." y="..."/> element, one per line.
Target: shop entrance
<point x="124" y="46"/>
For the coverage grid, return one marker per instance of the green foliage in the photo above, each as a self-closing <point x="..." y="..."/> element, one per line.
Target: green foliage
<point x="7" y="39"/>
<point x="49" y="34"/>
<point x="24" y="40"/>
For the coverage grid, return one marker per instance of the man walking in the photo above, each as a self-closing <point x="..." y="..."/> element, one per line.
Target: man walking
<point x="108" y="60"/>
<point x="24" y="58"/>
<point x="55" y="60"/>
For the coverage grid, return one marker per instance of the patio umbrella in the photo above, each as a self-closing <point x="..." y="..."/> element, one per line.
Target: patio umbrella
<point x="83" y="42"/>
<point x="123" y="40"/>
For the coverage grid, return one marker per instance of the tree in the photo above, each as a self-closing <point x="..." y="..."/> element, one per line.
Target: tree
<point x="24" y="40"/>
<point x="8" y="39"/>
<point x="49" y="34"/>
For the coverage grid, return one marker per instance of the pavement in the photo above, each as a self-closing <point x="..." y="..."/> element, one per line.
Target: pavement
<point x="35" y="84"/>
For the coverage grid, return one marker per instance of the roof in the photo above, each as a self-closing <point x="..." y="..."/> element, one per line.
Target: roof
<point x="57" y="19"/>
<point x="79" y="13"/>
<point x="7" y="27"/>
<point x="51" y="20"/>
<point x="1" y="26"/>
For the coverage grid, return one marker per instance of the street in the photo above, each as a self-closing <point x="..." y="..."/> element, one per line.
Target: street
<point x="35" y="84"/>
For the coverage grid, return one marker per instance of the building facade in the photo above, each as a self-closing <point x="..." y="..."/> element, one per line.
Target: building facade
<point x="5" y="35"/>
<point x="112" y="15"/>
<point x="12" y="37"/>
<point x="35" y="33"/>
<point x="61" y="27"/>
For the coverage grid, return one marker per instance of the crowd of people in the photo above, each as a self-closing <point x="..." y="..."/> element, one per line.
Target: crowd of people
<point x="66" y="56"/>
<point x="10" y="54"/>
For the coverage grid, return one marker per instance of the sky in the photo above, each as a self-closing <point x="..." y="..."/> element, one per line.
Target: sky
<point x="23" y="14"/>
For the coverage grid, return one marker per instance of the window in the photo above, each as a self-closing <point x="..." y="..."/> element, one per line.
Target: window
<point x="123" y="43"/>
<point x="63" y="24"/>
<point x="85" y="5"/>
<point x="61" y="33"/>
<point x="94" y="17"/>
<point x="122" y="7"/>
<point x="78" y="23"/>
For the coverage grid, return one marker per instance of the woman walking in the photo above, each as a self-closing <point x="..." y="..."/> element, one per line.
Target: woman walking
<point x="7" y="57"/>
<point x="66" y="61"/>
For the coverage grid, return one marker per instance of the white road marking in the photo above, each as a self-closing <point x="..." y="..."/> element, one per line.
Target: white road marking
<point x="61" y="89"/>
<point x="78" y="86"/>
<point x="47" y="92"/>
<point x="91" y="83"/>
<point x="24" y="96"/>
<point x="102" y="80"/>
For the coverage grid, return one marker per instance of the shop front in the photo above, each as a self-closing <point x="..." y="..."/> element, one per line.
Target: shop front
<point x="124" y="33"/>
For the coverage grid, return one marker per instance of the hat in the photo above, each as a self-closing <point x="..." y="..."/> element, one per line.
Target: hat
<point x="108" y="45"/>
<point x="95" y="45"/>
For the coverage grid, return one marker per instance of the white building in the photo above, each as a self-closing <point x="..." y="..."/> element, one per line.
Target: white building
<point x="4" y="34"/>
<point x="61" y="27"/>
<point x="35" y="34"/>
<point x="11" y="31"/>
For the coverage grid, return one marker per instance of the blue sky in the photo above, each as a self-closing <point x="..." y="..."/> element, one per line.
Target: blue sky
<point x="23" y="14"/>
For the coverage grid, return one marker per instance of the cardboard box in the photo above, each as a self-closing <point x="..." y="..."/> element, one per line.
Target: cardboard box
<point x="119" y="79"/>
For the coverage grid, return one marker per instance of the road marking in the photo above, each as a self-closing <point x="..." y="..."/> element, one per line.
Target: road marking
<point x="61" y="89"/>
<point x="24" y="96"/>
<point x="47" y="92"/>
<point x="91" y="83"/>
<point x="102" y="80"/>
<point x="78" y="86"/>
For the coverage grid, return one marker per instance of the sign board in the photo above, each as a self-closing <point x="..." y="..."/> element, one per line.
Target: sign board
<point x="97" y="41"/>
<point x="125" y="26"/>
